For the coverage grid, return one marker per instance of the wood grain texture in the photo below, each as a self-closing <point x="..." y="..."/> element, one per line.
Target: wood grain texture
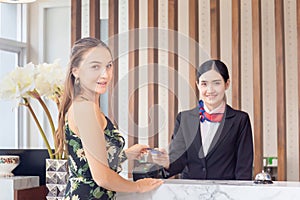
<point x="153" y="72"/>
<point x="257" y="87"/>
<point x="173" y="65"/>
<point x="236" y="54"/>
<point x="215" y="29"/>
<point x="193" y="49"/>
<point x="95" y="18"/>
<point x="75" y="20"/>
<point x="39" y="193"/>
<point x="281" y="101"/>
<point x="133" y="79"/>
<point x="113" y="42"/>
<point x="298" y="55"/>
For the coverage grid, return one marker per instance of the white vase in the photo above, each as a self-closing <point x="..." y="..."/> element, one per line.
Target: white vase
<point x="56" y="178"/>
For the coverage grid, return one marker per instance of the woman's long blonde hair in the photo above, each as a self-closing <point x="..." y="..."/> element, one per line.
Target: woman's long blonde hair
<point x="80" y="48"/>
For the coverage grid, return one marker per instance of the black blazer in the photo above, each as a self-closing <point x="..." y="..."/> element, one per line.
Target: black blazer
<point x="230" y="156"/>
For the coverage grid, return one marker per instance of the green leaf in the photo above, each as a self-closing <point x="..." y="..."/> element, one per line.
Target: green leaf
<point x="110" y="194"/>
<point x="85" y="167"/>
<point x="74" y="144"/>
<point x="97" y="193"/>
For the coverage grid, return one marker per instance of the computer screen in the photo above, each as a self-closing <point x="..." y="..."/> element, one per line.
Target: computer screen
<point x="32" y="162"/>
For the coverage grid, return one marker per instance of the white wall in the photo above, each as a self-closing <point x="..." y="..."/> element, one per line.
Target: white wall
<point x="49" y="39"/>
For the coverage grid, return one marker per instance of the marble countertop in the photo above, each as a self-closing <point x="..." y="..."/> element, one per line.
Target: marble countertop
<point x="218" y="190"/>
<point x="20" y="182"/>
<point x="232" y="182"/>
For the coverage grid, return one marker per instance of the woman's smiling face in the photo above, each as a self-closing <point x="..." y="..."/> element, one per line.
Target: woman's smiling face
<point x="212" y="88"/>
<point x="96" y="70"/>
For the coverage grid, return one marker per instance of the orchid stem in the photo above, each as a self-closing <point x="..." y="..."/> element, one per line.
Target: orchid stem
<point x="50" y="121"/>
<point x="27" y="104"/>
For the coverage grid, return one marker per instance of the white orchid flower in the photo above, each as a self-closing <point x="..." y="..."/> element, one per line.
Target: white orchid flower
<point x="32" y="81"/>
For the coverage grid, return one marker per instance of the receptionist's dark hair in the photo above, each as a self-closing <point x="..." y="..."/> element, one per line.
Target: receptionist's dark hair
<point x="217" y="65"/>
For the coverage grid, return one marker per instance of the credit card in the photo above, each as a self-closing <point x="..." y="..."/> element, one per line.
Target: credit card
<point x="154" y="151"/>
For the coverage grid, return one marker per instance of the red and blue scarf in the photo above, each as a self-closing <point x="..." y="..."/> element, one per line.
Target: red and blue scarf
<point x="213" y="117"/>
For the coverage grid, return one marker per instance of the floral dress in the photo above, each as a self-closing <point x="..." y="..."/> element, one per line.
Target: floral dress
<point x="81" y="185"/>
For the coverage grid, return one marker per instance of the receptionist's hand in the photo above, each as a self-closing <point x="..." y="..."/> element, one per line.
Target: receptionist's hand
<point x="161" y="158"/>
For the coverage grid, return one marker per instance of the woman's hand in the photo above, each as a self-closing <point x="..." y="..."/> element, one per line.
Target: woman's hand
<point x="147" y="184"/>
<point x="161" y="158"/>
<point x="135" y="151"/>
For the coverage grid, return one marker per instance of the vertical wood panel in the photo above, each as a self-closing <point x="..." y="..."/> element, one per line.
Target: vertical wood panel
<point x="257" y="86"/>
<point x="298" y="55"/>
<point x="226" y="40"/>
<point x="143" y="75"/>
<point x="183" y="56"/>
<point x="173" y="64"/>
<point x="163" y="71"/>
<point x="215" y="28"/>
<point x="113" y="29"/>
<point x="193" y="48"/>
<point x="133" y="79"/>
<point x="246" y="59"/>
<point x="236" y="54"/>
<point x="153" y="71"/>
<point x="281" y="101"/>
<point x="75" y="20"/>
<point x="291" y="96"/>
<point x="95" y="18"/>
<point x="133" y="14"/>
<point x="204" y="30"/>
<point x="269" y="78"/>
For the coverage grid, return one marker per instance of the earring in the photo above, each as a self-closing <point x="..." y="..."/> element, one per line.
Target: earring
<point x="77" y="81"/>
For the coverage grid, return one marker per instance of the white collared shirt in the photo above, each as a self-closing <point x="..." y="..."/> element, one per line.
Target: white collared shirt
<point x="209" y="129"/>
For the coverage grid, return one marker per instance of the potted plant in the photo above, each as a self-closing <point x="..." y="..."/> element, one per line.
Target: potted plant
<point x="39" y="83"/>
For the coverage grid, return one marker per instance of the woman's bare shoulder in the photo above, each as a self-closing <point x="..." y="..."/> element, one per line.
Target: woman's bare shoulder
<point x="85" y="107"/>
<point x="84" y="110"/>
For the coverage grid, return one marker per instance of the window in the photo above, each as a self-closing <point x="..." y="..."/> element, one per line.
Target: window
<point x="12" y="53"/>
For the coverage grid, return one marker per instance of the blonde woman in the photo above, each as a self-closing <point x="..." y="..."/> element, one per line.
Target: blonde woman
<point x="94" y="145"/>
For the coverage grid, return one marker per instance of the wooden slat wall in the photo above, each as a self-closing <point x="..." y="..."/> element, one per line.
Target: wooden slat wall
<point x="298" y="54"/>
<point x="95" y="18"/>
<point x="281" y="105"/>
<point x="113" y="30"/>
<point x="153" y="72"/>
<point x="173" y="63"/>
<point x="236" y="54"/>
<point x="75" y="20"/>
<point x="257" y="85"/>
<point x="215" y="28"/>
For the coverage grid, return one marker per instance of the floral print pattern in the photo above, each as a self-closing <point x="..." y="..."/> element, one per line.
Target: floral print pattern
<point x="81" y="185"/>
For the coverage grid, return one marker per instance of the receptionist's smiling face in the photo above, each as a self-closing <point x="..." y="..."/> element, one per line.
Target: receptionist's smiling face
<point x="212" y="88"/>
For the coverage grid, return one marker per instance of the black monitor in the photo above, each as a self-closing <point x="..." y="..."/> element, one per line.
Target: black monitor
<point x="32" y="162"/>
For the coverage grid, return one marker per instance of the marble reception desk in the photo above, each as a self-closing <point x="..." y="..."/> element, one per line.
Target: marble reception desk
<point x="8" y="185"/>
<point x="175" y="189"/>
